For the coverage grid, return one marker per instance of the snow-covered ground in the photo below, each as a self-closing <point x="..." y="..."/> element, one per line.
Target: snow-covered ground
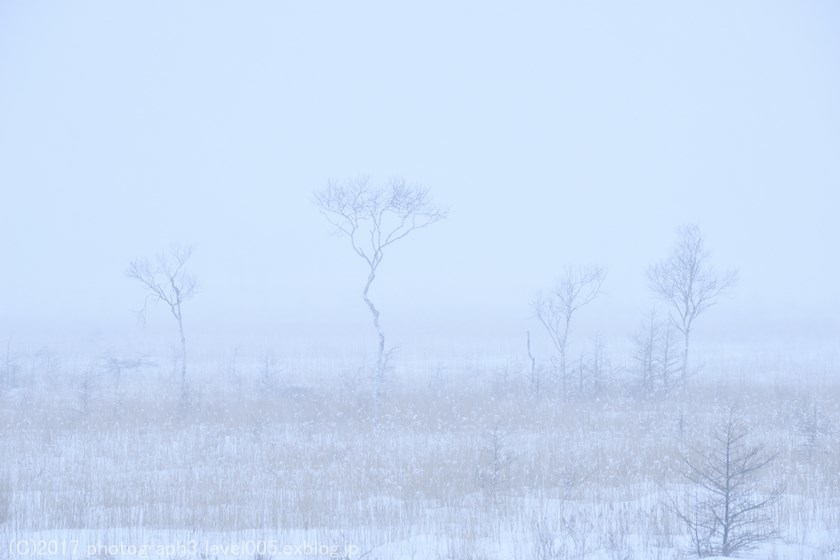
<point x="466" y="461"/>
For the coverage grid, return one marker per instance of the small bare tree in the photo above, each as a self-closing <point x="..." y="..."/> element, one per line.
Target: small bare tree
<point x="655" y="357"/>
<point x="167" y="280"/>
<point x="493" y="473"/>
<point x="269" y="382"/>
<point x="645" y="343"/>
<point x="374" y="218"/>
<point x="688" y="283"/>
<point x="813" y="425"/>
<point x="115" y="367"/>
<point x="9" y="375"/>
<point x="535" y="375"/>
<point x="594" y="367"/>
<point x="86" y="392"/>
<point x="728" y="513"/>
<point x="574" y="289"/>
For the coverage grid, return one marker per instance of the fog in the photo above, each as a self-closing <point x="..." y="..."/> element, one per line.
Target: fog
<point x="555" y="134"/>
<point x="487" y="381"/>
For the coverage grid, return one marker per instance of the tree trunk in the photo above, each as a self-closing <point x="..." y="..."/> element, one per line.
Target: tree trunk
<point x="563" y="372"/>
<point x="117" y="403"/>
<point x="535" y="387"/>
<point x="184" y="391"/>
<point x="563" y="380"/>
<point x="9" y="373"/>
<point x="727" y="496"/>
<point x="687" y="336"/>
<point x="379" y="373"/>
<point x="580" y="376"/>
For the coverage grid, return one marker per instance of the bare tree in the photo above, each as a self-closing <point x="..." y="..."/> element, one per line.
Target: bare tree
<point x="86" y="392"/>
<point x="374" y="218"/>
<point x="594" y="366"/>
<point x="167" y="280"/>
<point x="688" y="283"/>
<point x="115" y="367"/>
<point x="728" y="513"/>
<point x="534" y="377"/>
<point x="668" y="359"/>
<point x="655" y="357"/>
<point x="645" y="343"/>
<point x="813" y="425"/>
<point x="10" y="367"/>
<point x="493" y="473"/>
<point x="269" y="382"/>
<point x="574" y="289"/>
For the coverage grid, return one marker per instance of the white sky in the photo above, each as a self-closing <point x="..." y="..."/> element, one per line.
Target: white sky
<point x="556" y="132"/>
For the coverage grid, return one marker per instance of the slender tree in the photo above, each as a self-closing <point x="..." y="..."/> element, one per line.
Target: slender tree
<point x="373" y="218"/>
<point x="87" y="392"/>
<point x="689" y="284"/>
<point x="655" y="356"/>
<point x="10" y="367"/>
<point x="668" y="359"/>
<point x="645" y="344"/>
<point x="535" y="378"/>
<point x="167" y="280"/>
<point x="574" y="289"/>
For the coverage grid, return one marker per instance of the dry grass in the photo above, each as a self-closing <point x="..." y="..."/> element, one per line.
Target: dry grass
<point x="586" y="474"/>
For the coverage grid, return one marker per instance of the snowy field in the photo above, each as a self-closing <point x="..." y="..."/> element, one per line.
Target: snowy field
<point x="426" y="280"/>
<point x="468" y="459"/>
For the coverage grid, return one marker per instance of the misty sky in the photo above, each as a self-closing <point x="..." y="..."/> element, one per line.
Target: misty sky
<point x="555" y="132"/>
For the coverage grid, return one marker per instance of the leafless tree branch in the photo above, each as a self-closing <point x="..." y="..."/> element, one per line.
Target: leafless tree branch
<point x="166" y="279"/>
<point x="374" y="218"/>
<point x="576" y="288"/>
<point x="688" y="283"/>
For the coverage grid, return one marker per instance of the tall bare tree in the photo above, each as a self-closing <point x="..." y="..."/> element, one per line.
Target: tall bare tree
<point x="373" y="218"/>
<point x="574" y="289"/>
<point x="165" y="279"/>
<point x="688" y="283"/>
